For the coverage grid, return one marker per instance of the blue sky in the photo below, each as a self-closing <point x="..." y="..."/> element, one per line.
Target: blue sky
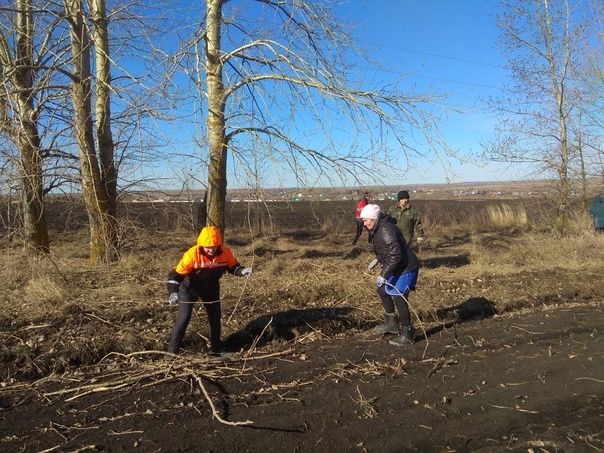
<point x="447" y="46"/>
<point x="444" y="46"/>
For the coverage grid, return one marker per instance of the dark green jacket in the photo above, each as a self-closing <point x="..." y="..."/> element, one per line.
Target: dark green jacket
<point x="408" y="221"/>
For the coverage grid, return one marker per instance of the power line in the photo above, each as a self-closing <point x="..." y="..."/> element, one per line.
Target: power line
<point x="448" y="57"/>
<point x="440" y="79"/>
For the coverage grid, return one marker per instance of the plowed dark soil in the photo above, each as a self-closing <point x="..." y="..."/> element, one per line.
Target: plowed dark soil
<point x="527" y="381"/>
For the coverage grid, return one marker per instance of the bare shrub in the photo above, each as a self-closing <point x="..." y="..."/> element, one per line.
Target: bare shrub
<point x="580" y="223"/>
<point x="13" y="269"/>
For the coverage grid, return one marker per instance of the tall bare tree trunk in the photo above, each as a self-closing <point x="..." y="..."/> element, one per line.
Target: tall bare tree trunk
<point x="217" y="176"/>
<point x="34" y="218"/>
<point x="103" y="111"/>
<point x="558" y="87"/>
<point x="562" y="220"/>
<point x="102" y="237"/>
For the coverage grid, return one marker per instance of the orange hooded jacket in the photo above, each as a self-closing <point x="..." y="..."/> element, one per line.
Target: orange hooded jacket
<point x="199" y="266"/>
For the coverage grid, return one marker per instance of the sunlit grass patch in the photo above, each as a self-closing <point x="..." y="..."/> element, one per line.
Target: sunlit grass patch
<point x="507" y="216"/>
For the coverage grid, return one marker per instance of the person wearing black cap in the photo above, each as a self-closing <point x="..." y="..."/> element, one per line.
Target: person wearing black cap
<point x="408" y="219"/>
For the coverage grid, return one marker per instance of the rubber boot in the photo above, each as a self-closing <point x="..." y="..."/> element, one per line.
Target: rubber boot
<point x="405" y="338"/>
<point x="390" y="326"/>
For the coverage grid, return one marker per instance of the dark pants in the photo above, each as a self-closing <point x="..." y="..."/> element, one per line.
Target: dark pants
<point x="359" y="230"/>
<point x="389" y="302"/>
<point x="185" y="310"/>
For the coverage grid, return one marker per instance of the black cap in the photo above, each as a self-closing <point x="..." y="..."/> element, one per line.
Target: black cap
<point x="403" y="195"/>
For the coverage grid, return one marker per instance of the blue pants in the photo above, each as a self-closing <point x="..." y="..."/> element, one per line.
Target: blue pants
<point x="397" y="296"/>
<point x="402" y="283"/>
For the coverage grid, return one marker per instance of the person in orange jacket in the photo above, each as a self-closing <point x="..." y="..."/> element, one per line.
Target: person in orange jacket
<point x="196" y="276"/>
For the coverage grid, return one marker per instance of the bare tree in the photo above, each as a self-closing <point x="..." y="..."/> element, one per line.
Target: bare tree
<point x="97" y="169"/>
<point x="18" y="75"/>
<point x="544" y="42"/>
<point x="103" y="107"/>
<point x="277" y="77"/>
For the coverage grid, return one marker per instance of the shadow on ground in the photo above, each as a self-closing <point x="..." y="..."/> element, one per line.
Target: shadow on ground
<point x="314" y="253"/>
<point x="474" y="308"/>
<point x="303" y="235"/>
<point x="447" y="261"/>
<point x="451" y="241"/>
<point x="287" y="325"/>
<point x="353" y="253"/>
<point x="261" y="251"/>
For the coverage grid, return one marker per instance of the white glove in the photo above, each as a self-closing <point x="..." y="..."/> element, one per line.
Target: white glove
<point x="420" y="239"/>
<point x="379" y="281"/>
<point x="246" y="272"/>
<point x="372" y="265"/>
<point x="173" y="299"/>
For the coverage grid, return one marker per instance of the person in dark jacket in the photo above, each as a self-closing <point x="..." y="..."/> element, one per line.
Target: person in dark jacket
<point x="359" y="222"/>
<point x="196" y="276"/>
<point x="400" y="269"/>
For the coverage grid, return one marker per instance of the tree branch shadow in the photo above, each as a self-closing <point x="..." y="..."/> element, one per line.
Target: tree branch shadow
<point x="472" y="309"/>
<point x="447" y="261"/>
<point x="287" y="325"/>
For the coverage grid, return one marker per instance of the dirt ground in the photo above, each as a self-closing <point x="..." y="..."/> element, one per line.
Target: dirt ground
<point x="527" y="381"/>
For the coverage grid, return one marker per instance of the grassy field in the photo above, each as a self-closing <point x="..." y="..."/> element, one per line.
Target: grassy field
<point x="58" y="312"/>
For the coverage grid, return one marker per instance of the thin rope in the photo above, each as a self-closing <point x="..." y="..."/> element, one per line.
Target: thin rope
<point x="412" y="311"/>
<point x="198" y="302"/>
<point x="415" y="313"/>
<point x="246" y="280"/>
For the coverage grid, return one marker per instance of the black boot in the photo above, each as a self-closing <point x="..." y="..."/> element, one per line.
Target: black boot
<point x="405" y="338"/>
<point x="390" y="326"/>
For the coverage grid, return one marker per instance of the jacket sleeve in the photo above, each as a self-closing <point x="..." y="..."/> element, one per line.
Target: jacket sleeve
<point x="392" y="213"/>
<point x="393" y="253"/>
<point x="181" y="270"/>
<point x="234" y="267"/>
<point x="419" y="228"/>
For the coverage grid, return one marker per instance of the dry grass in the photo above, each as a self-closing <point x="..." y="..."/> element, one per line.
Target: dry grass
<point x="44" y="290"/>
<point x="507" y="216"/>
<point x="307" y="281"/>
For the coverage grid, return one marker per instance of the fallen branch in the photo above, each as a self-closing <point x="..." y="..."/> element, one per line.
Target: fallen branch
<point x="215" y="413"/>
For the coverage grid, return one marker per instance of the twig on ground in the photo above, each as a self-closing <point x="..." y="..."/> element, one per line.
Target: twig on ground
<point x="368" y="410"/>
<point x="513" y="409"/>
<point x="527" y="331"/>
<point x="215" y="413"/>
<point x="588" y="379"/>
<point x="257" y="339"/>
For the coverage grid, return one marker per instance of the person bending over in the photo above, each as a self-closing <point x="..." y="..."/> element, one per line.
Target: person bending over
<point x="197" y="276"/>
<point x="400" y="269"/>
